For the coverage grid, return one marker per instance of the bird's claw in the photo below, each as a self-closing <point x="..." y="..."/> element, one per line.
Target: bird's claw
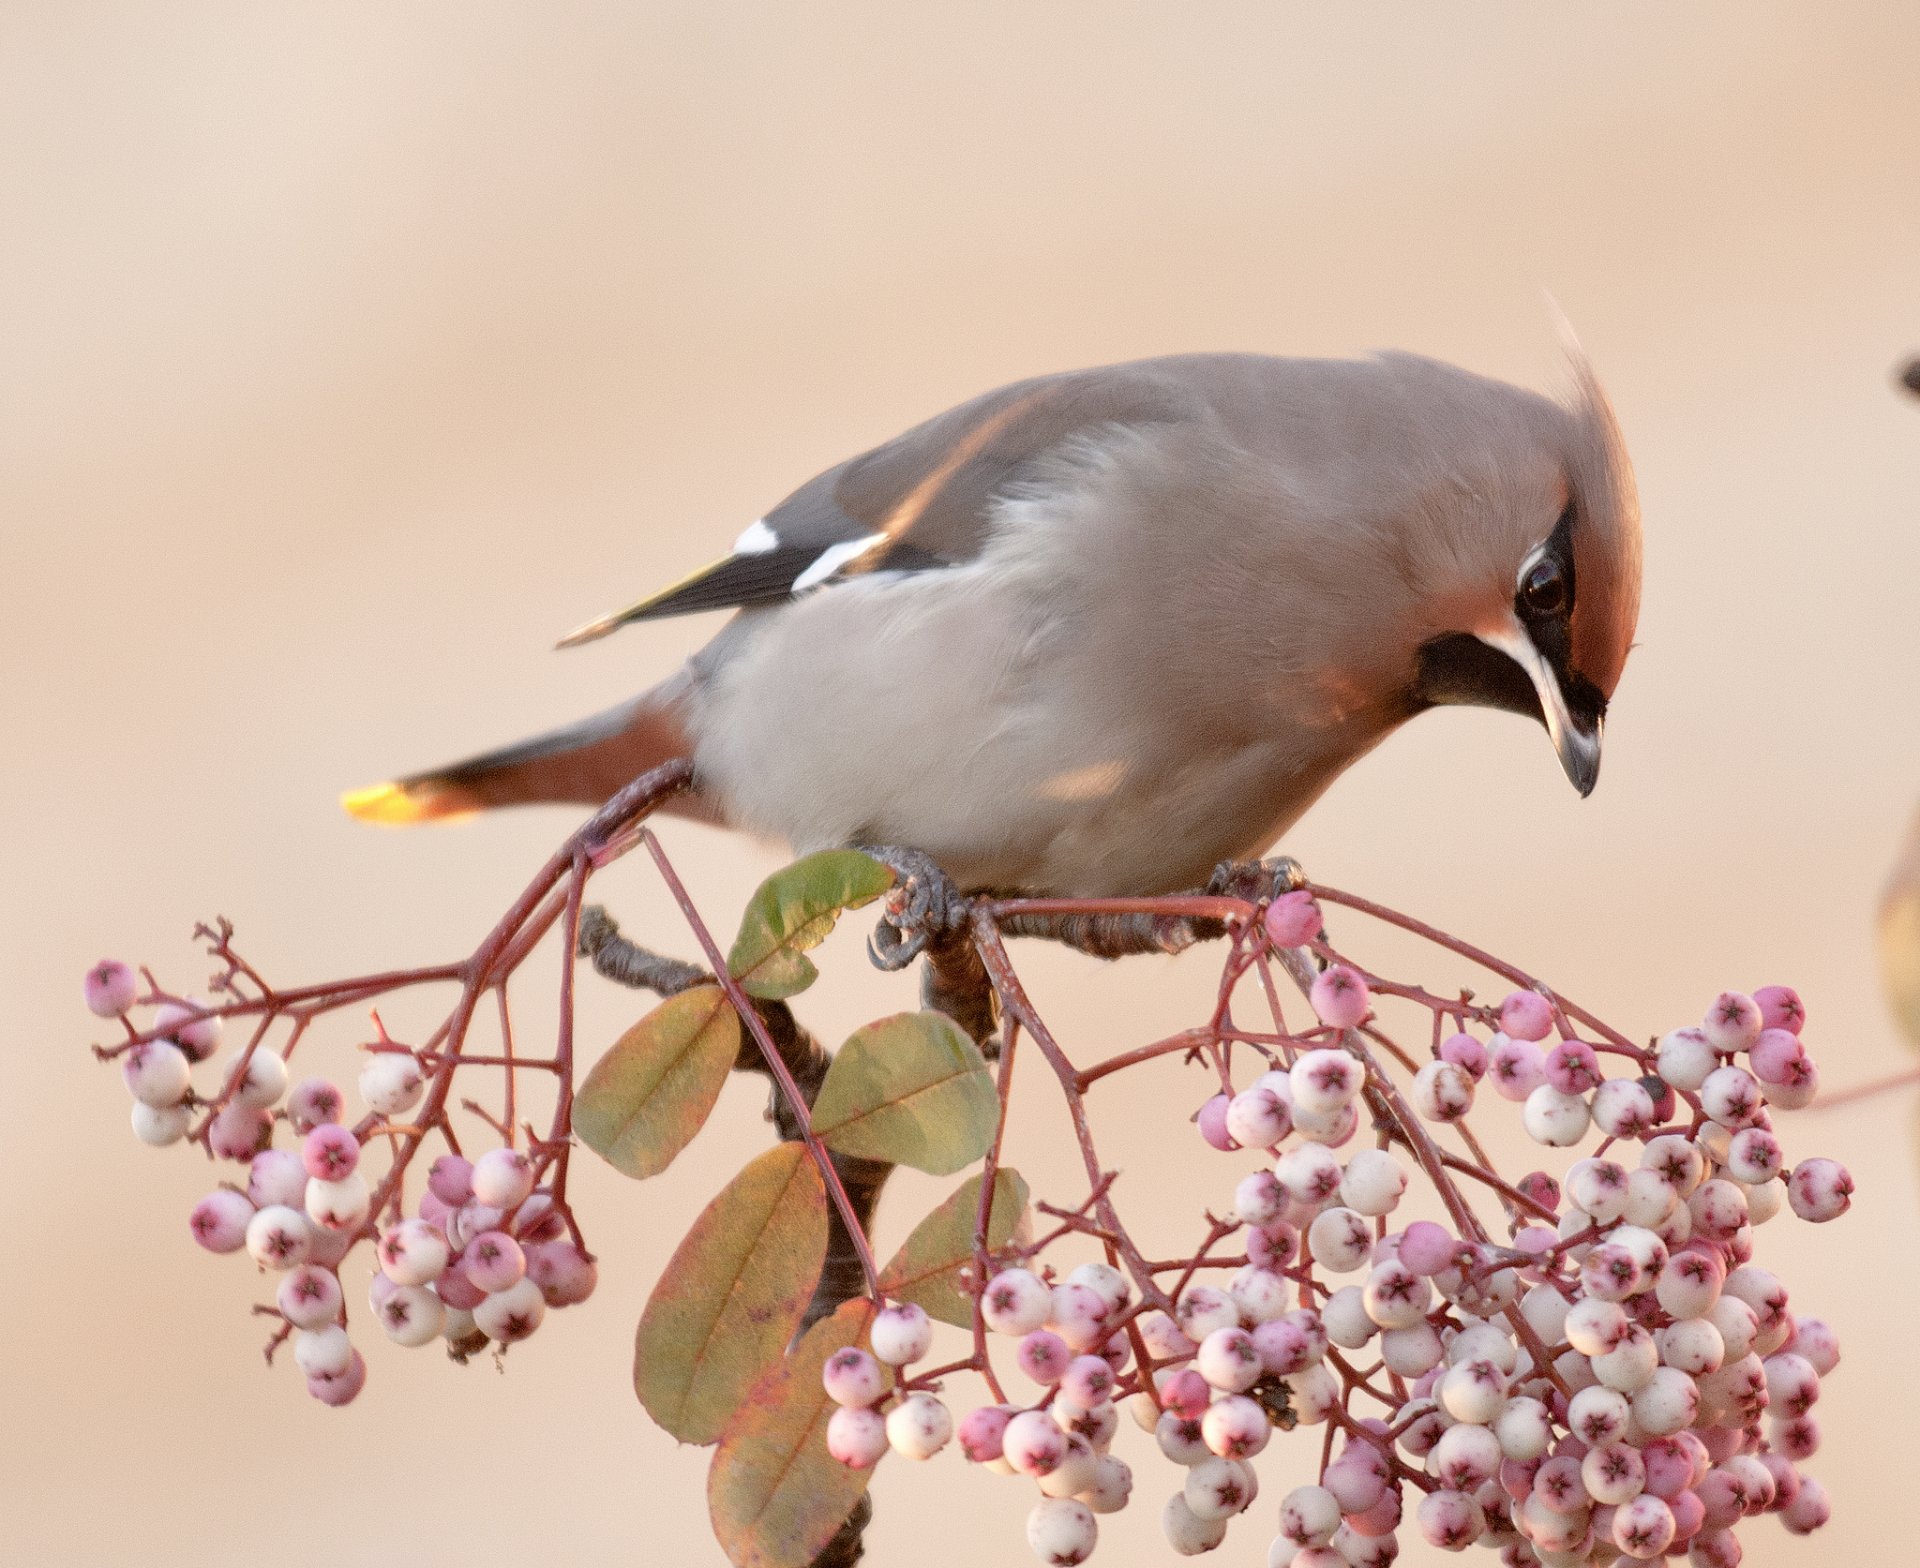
<point x="1256" y="880"/>
<point x="923" y="907"/>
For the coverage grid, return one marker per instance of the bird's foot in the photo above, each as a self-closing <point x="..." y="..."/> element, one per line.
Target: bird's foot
<point x="924" y="907"/>
<point x="1256" y="880"/>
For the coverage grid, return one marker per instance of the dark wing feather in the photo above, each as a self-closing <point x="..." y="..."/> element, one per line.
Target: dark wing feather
<point x="925" y="499"/>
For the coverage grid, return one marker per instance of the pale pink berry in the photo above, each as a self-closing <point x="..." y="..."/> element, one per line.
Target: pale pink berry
<point x="1033" y="1444"/>
<point x="1187" y="1533"/>
<point x="919" y="1426"/>
<point x="1293" y="920"/>
<point x="1515" y="1068"/>
<point x="1257" y="1118"/>
<point x="1754" y="1156"/>
<point x="474" y="1219"/>
<point x="450" y="1178"/>
<point x="493" y="1261"/>
<point x="330" y="1152"/>
<point x="310" y="1297"/>
<point x="1466" y="1457"/>
<point x="185" y="1023"/>
<point x="1820" y="1190"/>
<point x="1211" y="1119"/>
<point x="981" y="1432"/>
<point x="1731" y="1097"/>
<point x="1813" y="1339"/>
<point x="322" y="1352"/>
<point x="1062" y="1531"/>
<point x="1228" y="1360"/>
<point x="1622" y="1108"/>
<point x="277" y="1176"/>
<point x="1311" y="1174"/>
<point x="1526" y="1015"/>
<point x="1322" y="1081"/>
<point x="1643" y="1526"/>
<point x="1572" y="1067"/>
<point x="240" y="1132"/>
<point x="1466" y="1053"/>
<point x="1043" y="1355"/>
<point x="1442" y="1092"/>
<point x="279" y="1237"/>
<point x="1309" y="1515"/>
<point x="1078" y="1314"/>
<point x="1016" y="1301"/>
<point x="1339" y="996"/>
<point x="1236" y="1427"/>
<point x="566" y="1276"/>
<point x="1218" y="1487"/>
<point x="159" y="1125"/>
<point x="502" y="1178"/>
<point x="510" y="1315"/>
<point x="1273" y="1246"/>
<point x="313" y="1102"/>
<point x="339" y="1207"/>
<point x="1259" y="1199"/>
<point x="1685" y="1057"/>
<point x="1780" y="1008"/>
<point x="1733" y="1023"/>
<point x="110" y="988"/>
<point x="1087" y="1382"/>
<point x="392" y="1082"/>
<point x="264" y="1081"/>
<point x="1555" y="1119"/>
<point x="219" y="1220"/>
<point x="413" y="1252"/>
<point x="1796" y="1440"/>
<point x="901" y="1333"/>
<point x="857" y="1436"/>
<point x="1112" y="1486"/>
<point x="343" y="1389"/>
<point x="156" y="1073"/>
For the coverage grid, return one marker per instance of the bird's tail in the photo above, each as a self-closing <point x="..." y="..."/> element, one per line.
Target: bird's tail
<point x="585" y="763"/>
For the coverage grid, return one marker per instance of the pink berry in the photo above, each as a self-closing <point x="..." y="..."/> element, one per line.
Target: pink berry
<point x="857" y="1436"/>
<point x="110" y="988"/>
<point x="1293" y="920"/>
<point x="852" y="1377"/>
<point x="502" y="1178"/>
<point x="240" y="1132"/>
<point x="313" y="1102"/>
<point x="1339" y="997"/>
<point x="1515" y="1068"/>
<point x="1427" y="1248"/>
<point x="493" y="1261"/>
<point x="1526" y="1015"/>
<point x="451" y="1179"/>
<point x="1449" y="1519"/>
<point x="1780" y="1008"/>
<point x="1033" y="1444"/>
<point x="981" y="1432"/>
<point x="1733" y="1023"/>
<point x="1820" y="1190"/>
<point x="310" y="1297"/>
<point x="183" y="1022"/>
<point x="279" y="1237"/>
<point x="1643" y="1527"/>
<point x="1257" y="1118"/>
<point x="1087" y="1382"/>
<point x="340" y="1390"/>
<point x="219" y="1220"/>
<point x="565" y="1275"/>
<point x="1043" y="1355"/>
<point x="538" y="1220"/>
<point x="1186" y="1392"/>
<point x="458" y="1291"/>
<point x="330" y="1152"/>
<point x="1573" y="1068"/>
<point x="901" y="1333"/>
<point x="1466" y="1053"/>
<point x="1211" y="1119"/>
<point x="277" y="1176"/>
<point x="1235" y="1427"/>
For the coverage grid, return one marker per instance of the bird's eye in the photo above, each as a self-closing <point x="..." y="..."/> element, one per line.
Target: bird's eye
<point x="1543" y="588"/>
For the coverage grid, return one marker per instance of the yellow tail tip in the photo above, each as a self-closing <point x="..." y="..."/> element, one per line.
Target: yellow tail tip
<point x="392" y="805"/>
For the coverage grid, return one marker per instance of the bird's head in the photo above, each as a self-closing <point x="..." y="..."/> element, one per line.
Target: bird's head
<point x="1542" y="576"/>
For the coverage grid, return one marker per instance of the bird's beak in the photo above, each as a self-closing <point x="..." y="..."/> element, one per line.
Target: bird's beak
<point x="1576" y="745"/>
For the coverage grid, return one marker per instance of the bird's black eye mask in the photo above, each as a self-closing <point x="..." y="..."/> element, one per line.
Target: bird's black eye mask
<point x="1459" y="668"/>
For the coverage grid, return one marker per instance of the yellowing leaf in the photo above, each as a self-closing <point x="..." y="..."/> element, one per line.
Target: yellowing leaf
<point x="733" y="1294"/>
<point x="926" y="1269"/>
<point x="795" y="909"/>
<point x="775" y="1494"/>
<point x="911" y="1089"/>
<point x="652" y="1092"/>
<point x="1900" y="937"/>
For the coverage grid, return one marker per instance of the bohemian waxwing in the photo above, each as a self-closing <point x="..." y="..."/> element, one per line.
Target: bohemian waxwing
<point x="1093" y="633"/>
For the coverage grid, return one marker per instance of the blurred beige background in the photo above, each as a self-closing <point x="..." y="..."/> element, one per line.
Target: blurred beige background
<point x="350" y="353"/>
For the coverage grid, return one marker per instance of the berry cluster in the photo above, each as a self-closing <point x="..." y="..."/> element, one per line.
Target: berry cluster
<point x="1612" y="1380"/>
<point x="484" y="1253"/>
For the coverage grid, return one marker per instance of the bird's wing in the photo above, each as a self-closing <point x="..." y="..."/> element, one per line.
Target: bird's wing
<point x="920" y="502"/>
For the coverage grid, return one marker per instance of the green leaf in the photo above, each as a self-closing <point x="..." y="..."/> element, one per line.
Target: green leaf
<point x="652" y="1092"/>
<point x="795" y="909"/>
<point x="926" y="1270"/>
<point x="1900" y="938"/>
<point x="911" y="1089"/>
<point x="733" y="1294"/>
<point x="775" y="1494"/>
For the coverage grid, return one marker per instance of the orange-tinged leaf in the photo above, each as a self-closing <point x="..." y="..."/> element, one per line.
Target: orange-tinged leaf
<point x="775" y="1494"/>
<point x="926" y="1269"/>
<point x="648" y="1096"/>
<point x="733" y="1294"/>
<point x="795" y="909"/>
<point x="911" y="1089"/>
